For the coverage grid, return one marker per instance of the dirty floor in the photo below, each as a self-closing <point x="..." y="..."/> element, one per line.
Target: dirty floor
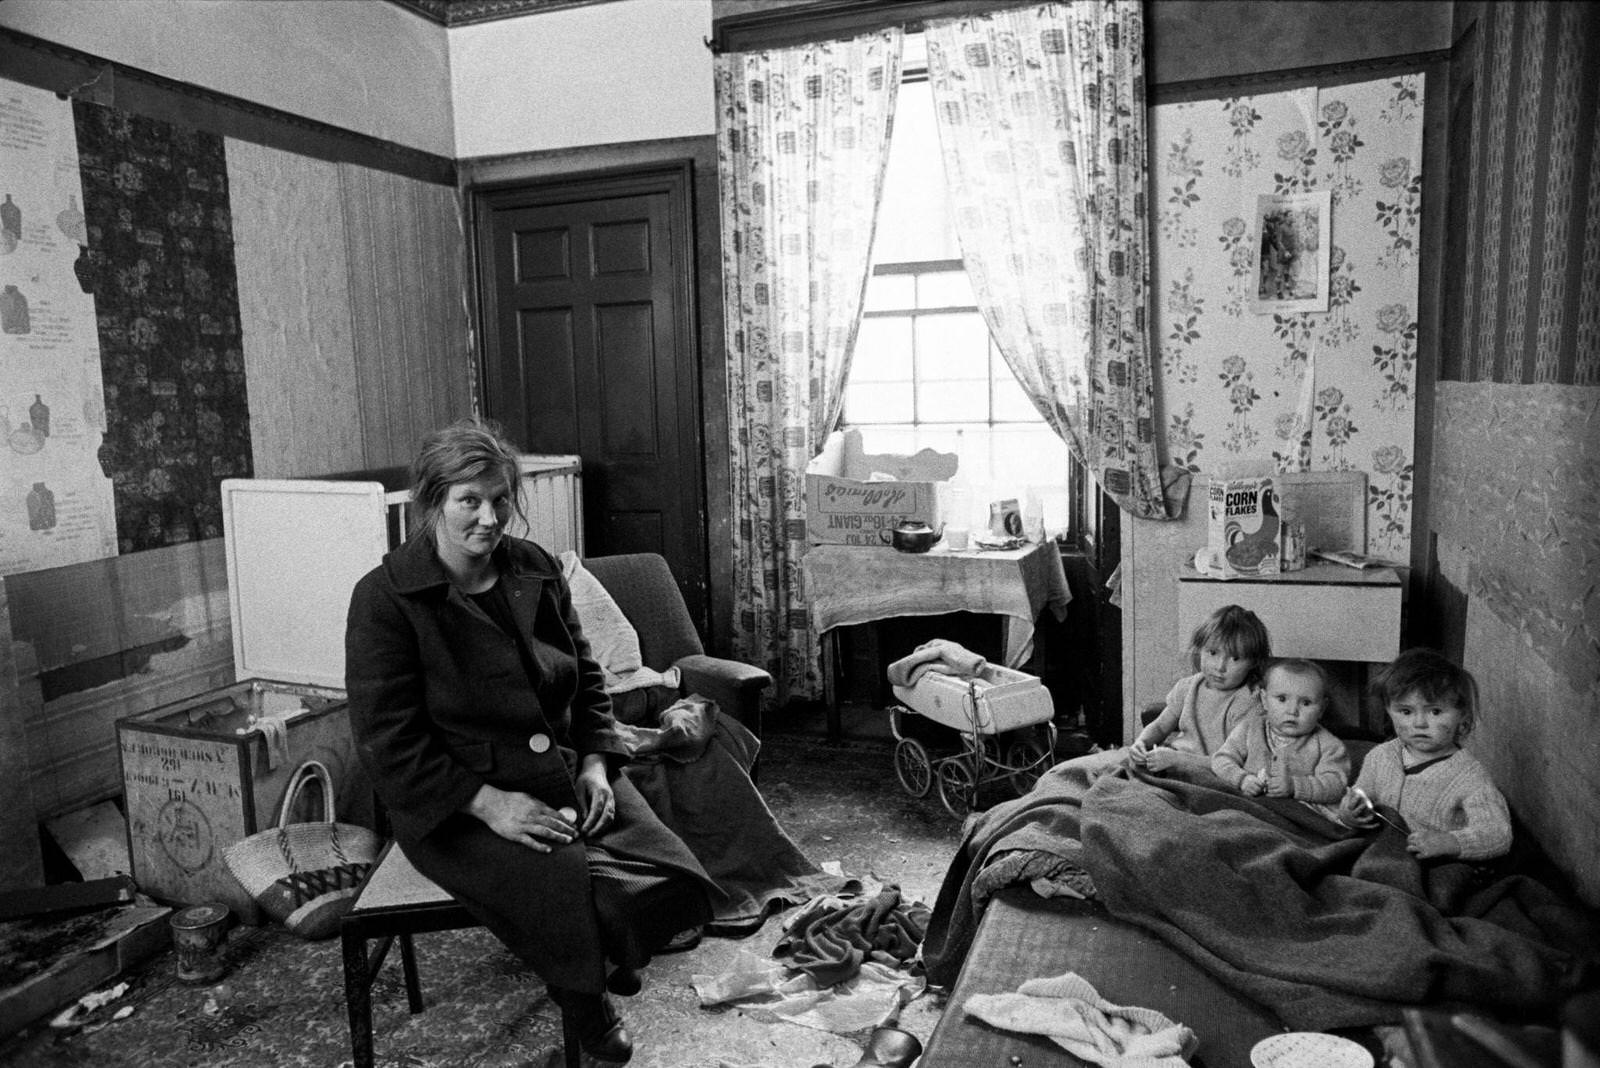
<point x="282" y="1002"/>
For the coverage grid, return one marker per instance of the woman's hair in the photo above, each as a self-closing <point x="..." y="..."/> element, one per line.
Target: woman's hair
<point x="1237" y="630"/>
<point x="465" y="451"/>
<point x="1432" y="676"/>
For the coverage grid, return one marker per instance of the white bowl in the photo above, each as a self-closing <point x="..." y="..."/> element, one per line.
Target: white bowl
<point x="1309" y="1049"/>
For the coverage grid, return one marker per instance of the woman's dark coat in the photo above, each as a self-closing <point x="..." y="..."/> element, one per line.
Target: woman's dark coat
<point x="441" y="703"/>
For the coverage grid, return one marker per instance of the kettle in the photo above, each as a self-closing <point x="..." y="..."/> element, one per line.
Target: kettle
<point x="910" y="536"/>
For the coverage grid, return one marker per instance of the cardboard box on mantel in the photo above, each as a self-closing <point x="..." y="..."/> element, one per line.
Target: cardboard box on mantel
<point x="849" y="501"/>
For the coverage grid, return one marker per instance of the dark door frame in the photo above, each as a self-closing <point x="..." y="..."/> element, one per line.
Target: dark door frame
<point x="675" y="179"/>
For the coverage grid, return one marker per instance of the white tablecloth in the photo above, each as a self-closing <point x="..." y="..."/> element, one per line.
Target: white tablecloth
<point x="847" y="584"/>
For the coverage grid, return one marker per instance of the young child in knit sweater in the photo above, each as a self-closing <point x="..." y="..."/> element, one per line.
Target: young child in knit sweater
<point x="1227" y="651"/>
<point x="1442" y="792"/>
<point x="1288" y="753"/>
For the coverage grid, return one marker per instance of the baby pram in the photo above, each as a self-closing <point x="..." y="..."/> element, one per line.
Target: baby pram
<point x="999" y="713"/>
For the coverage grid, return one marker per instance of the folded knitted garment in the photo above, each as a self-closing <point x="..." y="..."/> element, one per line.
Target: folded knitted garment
<point x="941" y="655"/>
<point x="1070" y="1012"/>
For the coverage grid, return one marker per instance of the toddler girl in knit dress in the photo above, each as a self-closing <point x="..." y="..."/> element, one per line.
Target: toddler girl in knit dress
<point x="1441" y="791"/>
<point x="1227" y="651"/>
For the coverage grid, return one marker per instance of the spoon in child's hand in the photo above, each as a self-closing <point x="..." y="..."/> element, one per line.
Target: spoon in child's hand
<point x="1366" y="803"/>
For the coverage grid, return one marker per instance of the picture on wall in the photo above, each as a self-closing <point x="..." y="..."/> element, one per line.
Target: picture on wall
<point x="1292" y="253"/>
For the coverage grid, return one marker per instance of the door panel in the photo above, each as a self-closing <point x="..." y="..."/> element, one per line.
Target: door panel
<point x="589" y="349"/>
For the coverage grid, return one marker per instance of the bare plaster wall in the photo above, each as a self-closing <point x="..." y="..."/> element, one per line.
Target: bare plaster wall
<point x="362" y="65"/>
<point x="636" y="70"/>
<point x="1517" y="472"/>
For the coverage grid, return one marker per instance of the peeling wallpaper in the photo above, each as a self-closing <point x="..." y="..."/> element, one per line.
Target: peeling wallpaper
<point x="1254" y="392"/>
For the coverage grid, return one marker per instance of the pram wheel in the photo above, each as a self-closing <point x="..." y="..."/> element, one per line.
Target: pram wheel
<point x="912" y="767"/>
<point x="1027" y="755"/>
<point x="958" y="786"/>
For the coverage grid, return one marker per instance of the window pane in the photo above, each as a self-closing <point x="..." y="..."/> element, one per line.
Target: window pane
<point x="914" y="218"/>
<point x="875" y="402"/>
<point x="1011" y="404"/>
<point x="948" y="402"/>
<point x="1029" y="456"/>
<point x="945" y="289"/>
<point x="882" y="352"/>
<point x="890" y="292"/>
<point x="954" y="347"/>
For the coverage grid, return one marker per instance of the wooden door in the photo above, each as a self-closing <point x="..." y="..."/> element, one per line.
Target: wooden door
<point x="589" y="348"/>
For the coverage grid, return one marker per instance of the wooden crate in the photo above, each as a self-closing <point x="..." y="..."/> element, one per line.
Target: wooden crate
<point x="197" y="777"/>
<point x="47" y="965"/>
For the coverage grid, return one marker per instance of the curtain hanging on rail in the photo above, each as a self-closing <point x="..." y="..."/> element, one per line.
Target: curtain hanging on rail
<point x="802" y="139"/>
<point x="1041" y="116"/>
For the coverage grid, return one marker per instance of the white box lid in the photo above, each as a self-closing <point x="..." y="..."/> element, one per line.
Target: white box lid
<point x="295" y="550"/>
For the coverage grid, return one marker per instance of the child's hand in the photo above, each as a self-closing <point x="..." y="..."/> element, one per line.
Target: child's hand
<point x="1139" y="752"/>
<point x="1426" y="845"/>
<point x="1277" y="782"/>
<point x="1355" y="810"/>
<point x="1161" y="759"/>
<point x="1252" y="785"/>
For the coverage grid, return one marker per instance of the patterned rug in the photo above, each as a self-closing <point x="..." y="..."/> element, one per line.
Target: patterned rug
<point x="282" y="1002"/>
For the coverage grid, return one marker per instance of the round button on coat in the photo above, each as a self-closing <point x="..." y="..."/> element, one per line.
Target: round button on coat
<point x="539" y="743"/>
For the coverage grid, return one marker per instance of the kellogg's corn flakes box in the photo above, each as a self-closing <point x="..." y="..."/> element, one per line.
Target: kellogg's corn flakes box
<point x="1243" y="525"/>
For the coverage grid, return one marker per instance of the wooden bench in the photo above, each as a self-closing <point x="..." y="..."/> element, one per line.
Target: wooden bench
<point x="398" y="901"/>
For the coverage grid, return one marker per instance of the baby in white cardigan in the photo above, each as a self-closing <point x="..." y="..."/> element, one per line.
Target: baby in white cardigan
<point x="1443" y="793"/>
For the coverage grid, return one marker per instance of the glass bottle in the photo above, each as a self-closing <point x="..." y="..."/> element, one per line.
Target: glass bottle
<point x="39" y="413"/>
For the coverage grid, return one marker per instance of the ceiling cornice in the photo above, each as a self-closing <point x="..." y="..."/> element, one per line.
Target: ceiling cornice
<point x="449" y="13"/>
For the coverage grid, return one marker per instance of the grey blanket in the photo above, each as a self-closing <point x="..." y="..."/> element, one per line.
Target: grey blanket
<point x="697" y="779"/>
<point x="1327" y="927"/>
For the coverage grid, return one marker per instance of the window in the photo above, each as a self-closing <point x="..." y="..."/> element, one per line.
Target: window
<point x="925" y="372"/>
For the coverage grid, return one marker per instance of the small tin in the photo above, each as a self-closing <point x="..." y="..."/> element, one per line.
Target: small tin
<point x="197" y="935"/>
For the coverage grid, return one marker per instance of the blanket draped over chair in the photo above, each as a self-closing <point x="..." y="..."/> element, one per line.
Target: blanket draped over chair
<point x="693" y="769"/>
<point x="1326" y="927"/>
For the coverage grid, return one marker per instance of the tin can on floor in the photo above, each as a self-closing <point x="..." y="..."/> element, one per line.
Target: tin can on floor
<point x="197" y="936"/>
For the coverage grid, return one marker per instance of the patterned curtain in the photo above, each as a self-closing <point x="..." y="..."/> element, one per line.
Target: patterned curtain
<point x="802" y="140"/>
<point x="1041" y="117"/>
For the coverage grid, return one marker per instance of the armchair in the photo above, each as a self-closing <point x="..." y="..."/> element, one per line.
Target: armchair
<point x="643" y="587"/>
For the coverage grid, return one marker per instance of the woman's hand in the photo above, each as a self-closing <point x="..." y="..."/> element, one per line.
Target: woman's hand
<point x="521" y="818"/>
<point x="596" y="800"/>
<point x="1425" y="845"/>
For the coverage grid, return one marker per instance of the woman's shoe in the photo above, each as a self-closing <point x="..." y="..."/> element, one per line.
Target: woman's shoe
<point x="601" y="1033"/>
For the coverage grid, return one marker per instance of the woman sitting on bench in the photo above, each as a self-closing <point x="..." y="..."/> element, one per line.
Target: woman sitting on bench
<point x="482" y="720"/>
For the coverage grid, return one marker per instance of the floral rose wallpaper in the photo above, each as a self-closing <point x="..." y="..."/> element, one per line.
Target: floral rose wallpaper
<point x="1244" y="391"/>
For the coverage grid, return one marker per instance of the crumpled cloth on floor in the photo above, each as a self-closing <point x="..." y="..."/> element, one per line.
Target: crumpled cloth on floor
<point x="839" y="965"/>
<point x="770" y="992"/>
<point x="831" y="937"/>
<point x="941" y="655"/>
<point x="1069" y="1011"/>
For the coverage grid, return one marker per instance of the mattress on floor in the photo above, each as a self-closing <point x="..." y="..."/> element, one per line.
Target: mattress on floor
<point x="1023" y="936"/>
